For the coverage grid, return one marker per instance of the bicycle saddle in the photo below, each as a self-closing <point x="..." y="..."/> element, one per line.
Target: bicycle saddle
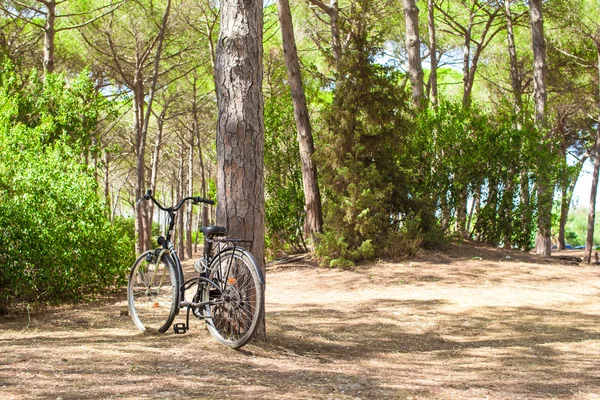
<point x="210" y="231"/>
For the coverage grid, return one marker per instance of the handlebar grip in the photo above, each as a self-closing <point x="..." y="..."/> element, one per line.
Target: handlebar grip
<point x="201" y="200"/>
<point x="148" y="194"/>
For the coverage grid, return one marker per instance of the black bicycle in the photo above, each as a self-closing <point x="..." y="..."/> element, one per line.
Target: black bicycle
<point x="229" y="286"/>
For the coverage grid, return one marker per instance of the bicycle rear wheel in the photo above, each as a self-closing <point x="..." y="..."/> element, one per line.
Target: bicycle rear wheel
<point x="236" y="297"/>
<point x="153" y="292"/>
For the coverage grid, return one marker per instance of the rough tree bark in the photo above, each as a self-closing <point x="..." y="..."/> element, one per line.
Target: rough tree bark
<point x="240" y="133"/>
<point x="312" y="196"/>
<point x="545" y="190"/>
<point x="413" y="48"/>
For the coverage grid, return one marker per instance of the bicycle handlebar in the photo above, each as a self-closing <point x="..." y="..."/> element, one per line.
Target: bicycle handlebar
<point x="195" y="199"/>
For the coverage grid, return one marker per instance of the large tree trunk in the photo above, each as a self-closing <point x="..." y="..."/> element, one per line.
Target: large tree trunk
<point x="413" y="48"/>
<point x="240" y="134"/>
<point x="544" y="185"/>
<point x="432" y="92"/>
<point x="312" y="195"/>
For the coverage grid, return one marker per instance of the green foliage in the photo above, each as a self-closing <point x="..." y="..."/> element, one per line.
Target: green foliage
<point x="55" y="240"/>
<point x="284" y="197"/>
<point x="576" y="227"/>
<point x="367" y="165"/>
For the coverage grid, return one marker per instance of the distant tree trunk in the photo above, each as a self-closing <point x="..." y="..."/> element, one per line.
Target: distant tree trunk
<point x="445" y="211"/>
<point x="180" y="194"/>
<point x="432" y="92"/>
<point x="107" y="195"/>
<point x="589" y="242"/>
<point x="334" y="16"/>
<point x="202" y="180"/>
<point x="155" y="161"/>
<point x="461" y="199"/>
<point x="312" y="195"/>
<point x="141" y="214"/>
<point x="507" y="205"/>
<point x="514" y="66"/>
<point x="49" y="34"/>
<point x="240" y="134"/>
<point x="525" y="201"/>
<point x="544" y="186"/>
<point x="413" y="48"/>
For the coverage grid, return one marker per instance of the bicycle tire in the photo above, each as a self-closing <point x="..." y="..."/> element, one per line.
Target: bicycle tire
<point x="233" y="317"/>
<point x="153" y="293"/>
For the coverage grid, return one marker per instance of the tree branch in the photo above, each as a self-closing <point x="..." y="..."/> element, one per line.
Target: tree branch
<point x="89" y="21"/>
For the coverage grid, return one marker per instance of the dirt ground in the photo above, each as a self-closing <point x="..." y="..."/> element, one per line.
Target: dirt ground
<point x="465" y="323"/>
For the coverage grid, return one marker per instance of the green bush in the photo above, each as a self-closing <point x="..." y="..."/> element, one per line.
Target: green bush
<point x="55" y="240"/>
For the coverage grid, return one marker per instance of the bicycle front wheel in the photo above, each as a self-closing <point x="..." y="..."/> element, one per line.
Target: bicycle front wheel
<point x="153" y="292"/>
<point x="236" y="297"/>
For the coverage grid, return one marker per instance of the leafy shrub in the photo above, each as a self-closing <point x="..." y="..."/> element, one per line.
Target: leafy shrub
<point x="55" y="240"/>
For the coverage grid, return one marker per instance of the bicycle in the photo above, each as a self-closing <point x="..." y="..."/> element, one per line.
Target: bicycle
<point x="230" y="285"/>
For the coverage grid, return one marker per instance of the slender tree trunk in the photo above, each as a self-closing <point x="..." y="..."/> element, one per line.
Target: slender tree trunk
<point x="204" y="208"/>
<point x="507" y="208"/>
<point x="461" y="211"/>
<point x="141" y="214"/>
<point x="467" y="84"/>
<point x="432" y="91"/>
<point x="312" y="195"/>
<point x="180" y="194"/>
<point x="107" y="198"/>
<point x="589" y="242"/>
<point x="545" y="189"/>
<point x="525" y="200"/>
<point x="514" y="66"/>
<point x="476" y="197"/>
<point x="413" y="47"/>
<point x="240" y="134"/>
<point x="334" y="16"/>
<point x="189" y="206"/>
<point x="49" y="34"/>
<point x="565" y="201"/>
<point x="155" y="162"/>
<point x="336" y="42"/>
<point x="445" y="211"/>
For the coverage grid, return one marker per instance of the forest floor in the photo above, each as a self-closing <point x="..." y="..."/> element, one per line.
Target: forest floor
<point x="468" y="322"/>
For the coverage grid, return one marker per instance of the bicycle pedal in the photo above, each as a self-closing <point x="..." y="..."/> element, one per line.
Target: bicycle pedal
<point x="180" y="328"/>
